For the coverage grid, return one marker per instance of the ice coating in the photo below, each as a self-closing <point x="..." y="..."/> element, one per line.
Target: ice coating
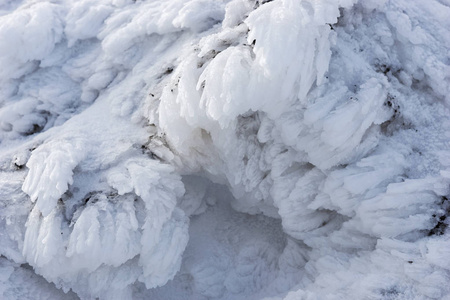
<point x="235" y="149"/>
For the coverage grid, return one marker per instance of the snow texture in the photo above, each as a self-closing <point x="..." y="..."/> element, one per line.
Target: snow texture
<point x="224" y="149"/>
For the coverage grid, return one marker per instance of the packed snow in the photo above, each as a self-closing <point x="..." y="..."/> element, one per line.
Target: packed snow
<point x="224" y="149"/>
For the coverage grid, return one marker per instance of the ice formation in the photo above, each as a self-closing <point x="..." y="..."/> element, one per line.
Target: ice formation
<point x="224" y="149"/>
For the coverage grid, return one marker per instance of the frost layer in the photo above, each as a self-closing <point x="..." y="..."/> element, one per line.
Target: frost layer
<point x="326" y="120"/>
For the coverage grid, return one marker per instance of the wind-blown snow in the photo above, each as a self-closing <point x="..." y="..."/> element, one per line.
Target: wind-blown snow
<point x="224" y="149"/>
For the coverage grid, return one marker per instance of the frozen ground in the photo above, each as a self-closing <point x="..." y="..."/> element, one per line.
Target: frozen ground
<point x="234" y="149"/>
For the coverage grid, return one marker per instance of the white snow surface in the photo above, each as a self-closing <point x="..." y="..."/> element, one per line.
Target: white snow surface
<point x="224" y="149"/>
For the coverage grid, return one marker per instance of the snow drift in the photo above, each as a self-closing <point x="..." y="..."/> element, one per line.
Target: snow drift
<point x="235" y="149"/>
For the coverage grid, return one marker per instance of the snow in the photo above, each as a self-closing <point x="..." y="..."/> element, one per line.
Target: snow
<point x="231" y="149"/>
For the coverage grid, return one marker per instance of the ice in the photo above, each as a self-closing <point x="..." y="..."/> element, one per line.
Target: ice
<point x="85" y="20"/>
<point x="38" y="27"/>
<point x="19" y="281"/>
<point x="235" y="149"/>
<point x="51" y="172"/>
